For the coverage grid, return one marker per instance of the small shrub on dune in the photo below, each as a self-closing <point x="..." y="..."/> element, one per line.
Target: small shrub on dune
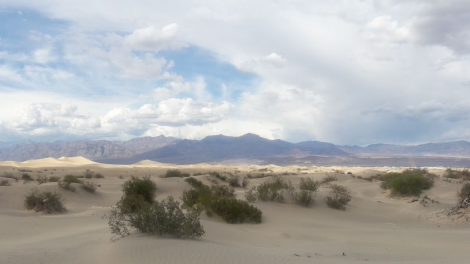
<point x="409" y="182"/>
<point x="41" y="179"/>
<point x="67" y="181"/>
<point x="236" y="211"/>
<point x="272" y="190"/>
<point x="250" y="195"/>
<point x="308" y="184"/>
<point x="464" y="194"/>
<point x="234" y="182"/>
<point x="53" y="179"/>
<point x="338" y="197"/>
<point x="4" y="182"/>
<point x="456" y="174"/>
<point x="88" y="174"/>
<point x="328" y="179"/>
<point x="217" y="175"/>
<point x="303" y="197"/>
<point x="89" y="187"/>
<point x="195" y="183"/>
<point x="26" y="177"/>
<point x="175" y="173"/>
<point x="164" y="218"/>
<point x="221" y="201"/>
<point x="144" y="187"/>
<point x="47" y="202"/>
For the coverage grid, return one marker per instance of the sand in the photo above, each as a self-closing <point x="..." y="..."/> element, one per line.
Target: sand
<point x="375" y="228"/>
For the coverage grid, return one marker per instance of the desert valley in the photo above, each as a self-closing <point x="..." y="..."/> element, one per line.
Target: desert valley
<point x="375" y="227"/>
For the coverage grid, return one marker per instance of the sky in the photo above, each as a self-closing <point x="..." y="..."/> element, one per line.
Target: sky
<point x="346" y="71"/>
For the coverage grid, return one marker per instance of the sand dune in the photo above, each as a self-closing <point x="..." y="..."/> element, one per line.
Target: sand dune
<point x="375" y="228"/>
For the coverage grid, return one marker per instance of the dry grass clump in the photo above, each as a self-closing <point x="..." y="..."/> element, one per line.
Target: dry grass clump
<point x="26" y="177"/>
<point x="238" y="182"/>
<point x="338" y="197"/>
<point x="67" y="181"/>
<point x="89" y="174"/>
<point x="41" y="179"/>
<point x="47" y="202"/>
<point x="272" y="190"/>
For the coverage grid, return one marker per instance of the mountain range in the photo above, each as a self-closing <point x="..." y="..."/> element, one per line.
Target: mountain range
<point x="249" y="148"/>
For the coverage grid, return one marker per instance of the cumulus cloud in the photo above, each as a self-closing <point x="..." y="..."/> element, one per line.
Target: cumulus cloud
<point x="152" y="38"/>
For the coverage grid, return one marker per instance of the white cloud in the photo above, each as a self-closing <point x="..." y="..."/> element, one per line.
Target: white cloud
<point x="153" y="39"/>
<point x="44" y="56"/>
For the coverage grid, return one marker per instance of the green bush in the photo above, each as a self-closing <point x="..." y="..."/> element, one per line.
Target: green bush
<point x="409" y="182"/>
<point x="165" y="218"/>
<point x="175" y="173"/>
<point x="47" y="202"/>
<point x="144" y="187"/>
<point x="303" y="197"/>
<point x="89" y="187"/>
<point x="218" y="175"/>
<point x="195" y="183"/>
<point x="338" y="197"/>
<point x="464" y="193"/>
<point x="220" y="200"/>
<point x="308" y="184"/>
<point x="272" y="190"/>
<point x="236" y="211"/>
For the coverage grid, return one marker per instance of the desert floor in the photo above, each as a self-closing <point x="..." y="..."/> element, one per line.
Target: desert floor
<point x="375" y="228"/>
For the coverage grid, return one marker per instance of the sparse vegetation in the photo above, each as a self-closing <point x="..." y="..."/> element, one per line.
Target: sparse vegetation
<point x="165" y="218"/>
<point x="328" y="179"/>
<point x="26" y="177"/>
<point x="218" y="175"/>
<point x="303" y="197"/>
<point x="91" y="174"/>
<point x="457" y="174"/>
<point x="67" y="181"/>
<point x="409" y="182"/>
<point x="175" y="173"/>
<point x="53" y="179"/>
<point x="221" y="201"/>
<point x="273" y="190"/>
<point x="4" y="182"/>
<point x="47" y="202"/>
<point x="41" y="179"/>
<point x="89" y="187"/>
<point x="464" y="194"/>
<point x="308" y="184"/>
<point x="338" y="197"/>
<point x="9" y="176"/>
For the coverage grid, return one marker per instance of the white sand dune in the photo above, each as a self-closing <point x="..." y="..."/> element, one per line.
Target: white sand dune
<point x="375" y="228"/>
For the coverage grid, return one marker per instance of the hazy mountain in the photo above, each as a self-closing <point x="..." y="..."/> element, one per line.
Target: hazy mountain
<point x="94" y="150"/>
<point x="451" y="149"/>
<point x="222" y="148"/>
<point x="248" y="148"/>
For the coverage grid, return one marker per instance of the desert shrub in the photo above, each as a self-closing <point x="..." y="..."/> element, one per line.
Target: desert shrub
<point x="67" y="181"/>
<point x="71" y="179"/>
<point x="47" y="202"/>
<point x="175" y="173"/>
<point x="408" y="182"/>
<point x="236" y="211"/>
<point x="9" y="176"/>
<point x="53" y="179"/>
<point x="218" y="175"/>
<point x="144" y="187"/>
<point x="26" y="177"/>
<point x="4" y="182"/>
<point x="464" y="193"/>
<point x="303" y="197"/>
<point x="165" y="218"/>
<point x="234" y="181"/>
<point x="338" y="197"/>
<point x="194" y="182"/>
<point x="308" y="184"/>
<point x="456" y="174"/>
<point x="89" y="187"/>
<point x="250" y="195"/>
<point x="272" y="190"/>
<point x="41" y="179"/>
<point x="245" y="182"/>
<point x="88" y="174"/>
<point x="328" y="179"/>
<point x="220" y="200"/>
